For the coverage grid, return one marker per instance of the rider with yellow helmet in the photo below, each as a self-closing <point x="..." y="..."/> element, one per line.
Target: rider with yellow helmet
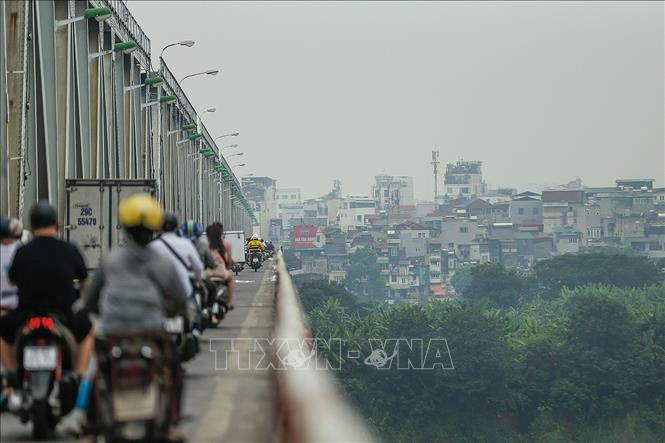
<point x="129" y="289"/>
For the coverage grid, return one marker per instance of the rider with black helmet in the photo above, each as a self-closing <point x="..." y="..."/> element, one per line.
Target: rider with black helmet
<point x="44" y="270"/>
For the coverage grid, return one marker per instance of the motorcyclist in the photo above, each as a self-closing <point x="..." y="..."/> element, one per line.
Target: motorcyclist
<point x="185" y="258"/>
<point x="129" y="290"/>
<point x="223" y="254"/>
<point x="255" y="247"/>
<point x="255" y="244"/>
<point x="44" y="271"/>
<point x="193" y="231"/>
<point x="10" y="234"/>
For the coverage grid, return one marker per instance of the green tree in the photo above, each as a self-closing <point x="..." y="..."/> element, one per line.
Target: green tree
<point x="461" y="279"/>
<point x="363" y="274"/>
<point x="494" y="283"/>
<point x="317" y="293"/>
<point x="621" y="270"/>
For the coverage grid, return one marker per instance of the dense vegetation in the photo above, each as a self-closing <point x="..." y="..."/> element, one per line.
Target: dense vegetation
<point x="578" y="357"/>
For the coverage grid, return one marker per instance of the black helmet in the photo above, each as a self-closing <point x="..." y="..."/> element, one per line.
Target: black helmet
<point x="43" y="215"/>
<point x="170" y="222"/>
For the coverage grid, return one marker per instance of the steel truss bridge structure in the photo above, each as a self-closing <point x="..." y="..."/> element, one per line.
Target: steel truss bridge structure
<point x="79" y="99"/>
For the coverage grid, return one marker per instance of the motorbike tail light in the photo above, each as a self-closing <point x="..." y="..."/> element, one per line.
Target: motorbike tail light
<point x="34" y="323"/>
<point x="48" y="323"/>
<point x="41" y="322"/>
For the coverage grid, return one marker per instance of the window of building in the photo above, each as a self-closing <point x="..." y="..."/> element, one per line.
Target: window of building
<point x="293" y="196"/>
<point x="535" y="211"/>
<point x="520" y="211"/>
<point x="464" y="229"/>
<point x="393" y="252"/>
<point x="451" y="245"/>
<point x="386" y="193"/>
<point x="464" y="190"/>
<point x="450" y="190"/>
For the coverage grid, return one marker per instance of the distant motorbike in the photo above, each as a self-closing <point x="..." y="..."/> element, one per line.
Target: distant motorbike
<point x="134" y="392"/>
<point x="44" y="353"/>
<point x="255" y="260"/>
<point x="237" y="268"/>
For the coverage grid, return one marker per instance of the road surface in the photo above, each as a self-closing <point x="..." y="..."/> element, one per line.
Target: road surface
<point x="229" y="405"/>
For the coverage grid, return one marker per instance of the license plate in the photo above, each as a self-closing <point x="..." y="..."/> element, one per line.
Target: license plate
<point x="174" y="325"/>
<point x="40" y="358"/>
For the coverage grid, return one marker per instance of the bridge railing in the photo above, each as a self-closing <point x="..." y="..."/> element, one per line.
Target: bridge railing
<point x="310" y="406"/>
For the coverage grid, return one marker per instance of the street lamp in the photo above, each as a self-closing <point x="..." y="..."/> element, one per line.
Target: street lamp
<point x="208" y="72"/>
<point x="233" y="134"/>
<point x="188" y="43"/>
<point x="238" y="165"/>
<point x="233" y="155"/>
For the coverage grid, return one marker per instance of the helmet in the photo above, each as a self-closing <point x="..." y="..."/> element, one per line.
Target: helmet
<point x="43" y="215"/>
<point x="170" y="222"/>
<point x="140" y="210"/>
<point x="254" y="237"/>
<point x="191" y="229"/>
<point x="10" y="228"/>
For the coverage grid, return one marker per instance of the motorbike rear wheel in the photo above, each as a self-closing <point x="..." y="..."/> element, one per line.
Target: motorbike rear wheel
<point x="41" y="422"/>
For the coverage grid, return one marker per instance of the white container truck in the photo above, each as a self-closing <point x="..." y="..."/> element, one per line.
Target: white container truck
<point x="237" y="239"/>
<point x="91" y="221"/>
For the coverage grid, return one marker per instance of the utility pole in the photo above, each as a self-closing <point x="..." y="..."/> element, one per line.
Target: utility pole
<point x="435" y="166"/>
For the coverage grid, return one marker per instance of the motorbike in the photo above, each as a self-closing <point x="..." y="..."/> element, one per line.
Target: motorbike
<point x="255" y="260"/>
<point x="237" y="268"/>
<point x="215" y="307"/>
<point x="135" y="391"/>
<point x="184" y="341"/>
<point x="44" y="354"/>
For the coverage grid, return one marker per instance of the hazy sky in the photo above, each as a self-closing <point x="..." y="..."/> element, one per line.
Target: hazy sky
<point x="540" y="92"/>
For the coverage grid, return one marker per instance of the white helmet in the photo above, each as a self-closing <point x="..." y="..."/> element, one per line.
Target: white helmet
<point x="254" y="237"/>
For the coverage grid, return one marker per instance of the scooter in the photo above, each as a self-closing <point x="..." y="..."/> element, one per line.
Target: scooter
<point x="216" y="306"/>
<point x="44" y="353"/>
<point x="255" y="260"/>
<point x="134" y="394"/>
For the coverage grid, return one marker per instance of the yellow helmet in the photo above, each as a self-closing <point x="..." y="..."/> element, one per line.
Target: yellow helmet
<point x="141" y="210"/>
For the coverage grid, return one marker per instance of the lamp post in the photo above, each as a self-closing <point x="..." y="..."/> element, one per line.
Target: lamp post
<point x="233" y="134"/>
<point x="188" y="43"/>
<point x="208" y="72"/>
